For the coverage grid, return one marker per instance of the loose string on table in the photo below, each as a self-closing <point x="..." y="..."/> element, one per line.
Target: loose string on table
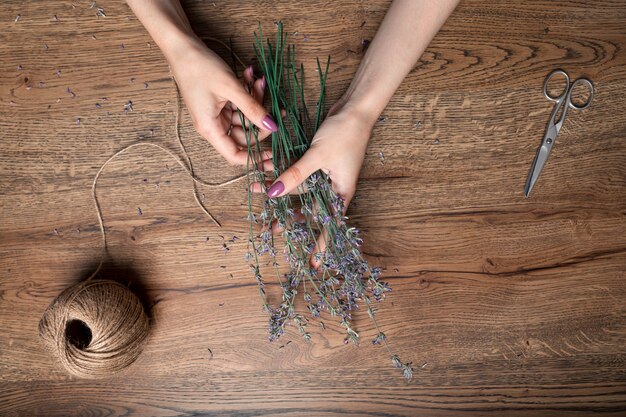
<point x="114" y="317"/>
<point x="188" y="168"/>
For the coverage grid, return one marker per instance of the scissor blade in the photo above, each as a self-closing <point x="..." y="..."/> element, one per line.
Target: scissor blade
<point x="535" y="169"/>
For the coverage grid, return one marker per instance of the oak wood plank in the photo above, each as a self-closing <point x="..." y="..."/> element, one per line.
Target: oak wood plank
<point x="507" y="306"/>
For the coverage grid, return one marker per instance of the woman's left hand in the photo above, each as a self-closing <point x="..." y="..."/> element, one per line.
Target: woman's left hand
<point x="338" y="149"/>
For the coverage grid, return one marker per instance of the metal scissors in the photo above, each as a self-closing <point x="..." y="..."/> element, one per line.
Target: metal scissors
<point x="562" y="102"/>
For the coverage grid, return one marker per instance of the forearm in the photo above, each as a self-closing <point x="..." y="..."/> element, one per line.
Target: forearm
<point x="167" y="24"/>
<point x="407" y="29"/>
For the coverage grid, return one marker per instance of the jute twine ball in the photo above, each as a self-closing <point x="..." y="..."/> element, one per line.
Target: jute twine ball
<point x="109" y="320"/>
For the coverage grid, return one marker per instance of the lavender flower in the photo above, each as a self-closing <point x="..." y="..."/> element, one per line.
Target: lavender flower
<point x="343" y="282"/>
<point x="395" y="360"/>
<point x="407" y="371"/>
<point x="380" y="337"/>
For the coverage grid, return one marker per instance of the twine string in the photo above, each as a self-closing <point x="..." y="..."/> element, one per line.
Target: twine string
<point x="113" y="314"/>
<point x="187" y="167"/>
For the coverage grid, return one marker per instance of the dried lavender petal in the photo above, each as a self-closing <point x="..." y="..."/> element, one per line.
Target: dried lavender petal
<point x="380" y="338"/>
<point x="395" y="360"/>
<point x="407" y="371"/>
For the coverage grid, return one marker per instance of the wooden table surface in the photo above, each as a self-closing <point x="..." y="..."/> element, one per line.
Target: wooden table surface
<point x="506" y="306"/>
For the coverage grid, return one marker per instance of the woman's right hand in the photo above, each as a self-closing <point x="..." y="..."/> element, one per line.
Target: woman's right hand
<point x="212" y="94"/>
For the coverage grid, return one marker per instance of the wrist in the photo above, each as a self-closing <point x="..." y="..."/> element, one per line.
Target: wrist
<point x="365" y="99"/>
<point x="360" y="108"/>
<point x="180" y="45"/>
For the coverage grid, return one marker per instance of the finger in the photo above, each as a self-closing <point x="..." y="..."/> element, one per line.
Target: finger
<point x="258" y="89"/>
<point x="253" y="110"/>
<point x="322" y="241"/>
<point x="235" y="120"/>
<point x="248" y="76"/>
<point x="346" y="196"/>
<point x="317" y="255"/>
<point x="258" y="92"/>
<point x="293" y="176"/>
<point x="263" y="134"/>
<point x="213" y="130"/>
<point x="247" y="82"/>
<point x="238" y="135"/>
<point x="262" y="162"/>
<point x="226" y="114"/>
<point x="263" y="157"/>
<point x="268" y="165"/>
<point x="277" y="228"/>
<point x="257" y="187"/>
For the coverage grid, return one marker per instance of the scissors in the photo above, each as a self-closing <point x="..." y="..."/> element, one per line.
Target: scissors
<point x="562" y="102"/>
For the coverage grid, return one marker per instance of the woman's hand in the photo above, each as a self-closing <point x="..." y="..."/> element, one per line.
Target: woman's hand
<point x="339" y="145"/>
<point x="338" y="149"/>
<point x="212" y="95"/>
<point x="209" y="87"/>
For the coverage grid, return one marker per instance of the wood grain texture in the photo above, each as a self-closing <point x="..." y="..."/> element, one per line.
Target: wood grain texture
<point x="507" y="306"/>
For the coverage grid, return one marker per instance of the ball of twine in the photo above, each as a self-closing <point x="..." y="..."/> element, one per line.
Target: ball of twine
<point x="111" y="324"/>
<point x="110" y="318"/>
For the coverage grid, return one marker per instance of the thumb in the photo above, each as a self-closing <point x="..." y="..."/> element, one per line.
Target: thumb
<point x="294" y="175"/>
<point x="253" y="110"/>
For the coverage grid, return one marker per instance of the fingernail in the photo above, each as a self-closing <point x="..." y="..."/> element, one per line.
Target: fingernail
<point x="250" y="71"/>
<point x="276" y="188"/>
<point x="263" y="83"/>
<point x="269" y="123"/>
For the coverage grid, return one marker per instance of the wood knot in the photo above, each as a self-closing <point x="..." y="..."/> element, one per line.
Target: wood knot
<point x="423" y="283"/>
<point x="490" y="266"/>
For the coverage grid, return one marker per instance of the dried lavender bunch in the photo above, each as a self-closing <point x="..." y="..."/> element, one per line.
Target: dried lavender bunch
<point x="344" y="281"/>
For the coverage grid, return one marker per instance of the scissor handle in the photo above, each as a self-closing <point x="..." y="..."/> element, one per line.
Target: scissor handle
<point x="571" y="90"/>
<point x="561" y="96"/>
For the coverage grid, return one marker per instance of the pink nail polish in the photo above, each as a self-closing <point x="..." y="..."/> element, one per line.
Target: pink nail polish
<point x="276" y="188"/>
<point x="250" y="72"/>
<point x="269" y="123"/>
<point x="263" y="83"/>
